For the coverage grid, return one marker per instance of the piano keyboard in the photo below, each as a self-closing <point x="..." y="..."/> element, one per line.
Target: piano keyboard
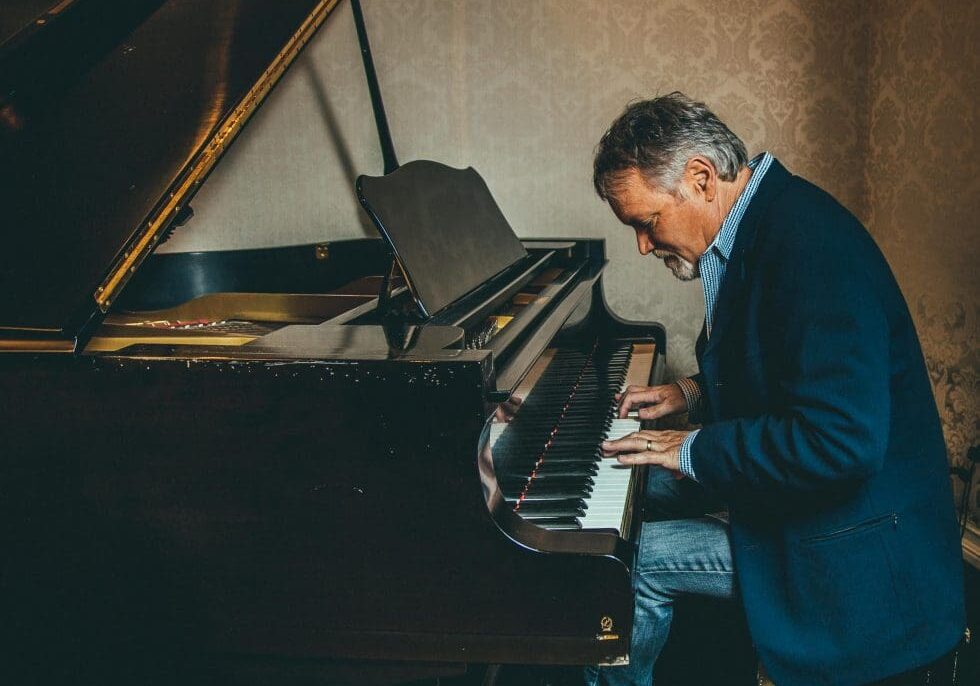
<point x="548" y="460"/>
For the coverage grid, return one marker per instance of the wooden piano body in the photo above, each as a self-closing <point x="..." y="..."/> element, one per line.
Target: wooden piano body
<point x="212" y="460"/>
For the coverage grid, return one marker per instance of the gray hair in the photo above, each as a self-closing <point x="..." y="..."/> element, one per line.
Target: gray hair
<point x="658" y="137"/>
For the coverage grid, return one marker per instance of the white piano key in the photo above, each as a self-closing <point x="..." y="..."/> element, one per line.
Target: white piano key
<point x="496" y="431"/>
<point x="606" y="504"/>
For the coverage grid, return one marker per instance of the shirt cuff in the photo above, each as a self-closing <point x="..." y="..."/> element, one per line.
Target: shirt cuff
<point x="685" y="458"/>
<point x="692" y="397"/>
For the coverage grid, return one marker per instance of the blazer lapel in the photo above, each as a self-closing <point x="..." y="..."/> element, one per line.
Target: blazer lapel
<point x="735" y="274"/>
<point x="700" y="344"/>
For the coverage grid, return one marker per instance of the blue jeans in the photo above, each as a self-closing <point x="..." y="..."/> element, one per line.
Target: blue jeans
<point x="687" y="553"/>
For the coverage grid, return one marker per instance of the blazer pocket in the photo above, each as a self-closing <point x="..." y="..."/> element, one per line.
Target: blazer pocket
<point x="865" y="526"/>
<point x="843" y="589"/>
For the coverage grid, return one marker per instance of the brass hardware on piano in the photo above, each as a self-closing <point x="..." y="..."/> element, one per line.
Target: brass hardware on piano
<point x="209" y="156"/>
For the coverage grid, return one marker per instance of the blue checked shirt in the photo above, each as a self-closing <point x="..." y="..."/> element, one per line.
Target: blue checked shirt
<point x="712" y="265"/>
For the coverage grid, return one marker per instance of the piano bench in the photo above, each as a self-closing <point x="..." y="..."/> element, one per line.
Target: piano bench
<point x="709" y="645"/>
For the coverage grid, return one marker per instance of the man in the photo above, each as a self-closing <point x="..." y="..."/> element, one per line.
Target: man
<point x="819" y="433"/>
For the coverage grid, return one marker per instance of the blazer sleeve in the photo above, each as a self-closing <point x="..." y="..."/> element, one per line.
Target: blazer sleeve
<point x="826" y="340"/>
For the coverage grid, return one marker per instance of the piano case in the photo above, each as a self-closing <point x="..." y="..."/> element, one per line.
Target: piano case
<point x="183" y="504"/>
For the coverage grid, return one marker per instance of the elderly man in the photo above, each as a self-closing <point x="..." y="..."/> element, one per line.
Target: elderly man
<point x="819" y="434"/>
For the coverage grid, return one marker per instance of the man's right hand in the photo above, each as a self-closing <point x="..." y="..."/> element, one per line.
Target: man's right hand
<point x="652" y="402"/>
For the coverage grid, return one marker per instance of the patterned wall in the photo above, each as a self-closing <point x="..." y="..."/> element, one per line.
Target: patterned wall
<point x="874" y="101"/>
<point x="924" y="189"/>
<point x="522" y="91"/>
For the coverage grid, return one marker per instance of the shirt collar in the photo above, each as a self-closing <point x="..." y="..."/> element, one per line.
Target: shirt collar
<point x="725" y="240"/>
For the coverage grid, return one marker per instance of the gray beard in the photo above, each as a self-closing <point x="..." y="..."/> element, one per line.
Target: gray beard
<point x="681" y="268"/>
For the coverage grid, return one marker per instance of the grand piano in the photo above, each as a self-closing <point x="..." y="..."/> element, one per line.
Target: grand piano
<point x="223" y="466"/>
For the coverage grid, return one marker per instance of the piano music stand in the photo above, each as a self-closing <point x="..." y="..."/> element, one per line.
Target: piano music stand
<point x="424" y="210"/>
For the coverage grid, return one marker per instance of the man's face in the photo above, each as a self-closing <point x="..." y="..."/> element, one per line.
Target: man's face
<point x="671" y="226"/>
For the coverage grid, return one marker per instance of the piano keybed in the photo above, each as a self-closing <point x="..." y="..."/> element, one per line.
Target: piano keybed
<point x="548" y="460"/>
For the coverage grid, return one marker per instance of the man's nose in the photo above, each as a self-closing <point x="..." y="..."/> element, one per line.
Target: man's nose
<point x="643" y="243"/>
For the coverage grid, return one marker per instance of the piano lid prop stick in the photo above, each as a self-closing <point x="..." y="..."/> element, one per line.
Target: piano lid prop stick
<point x="380" y="118"/>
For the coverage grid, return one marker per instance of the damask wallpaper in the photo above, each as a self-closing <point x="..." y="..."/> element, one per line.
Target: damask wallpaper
<point x="522" y="91"/>
<point x="923" y="190"/>
<point x="872" y="100"/>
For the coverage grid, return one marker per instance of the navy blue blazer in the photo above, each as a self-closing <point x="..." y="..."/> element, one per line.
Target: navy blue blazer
<point x="821" y="432"/>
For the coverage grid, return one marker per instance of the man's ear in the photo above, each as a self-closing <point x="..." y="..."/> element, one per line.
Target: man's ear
<point x="701" y="176"/>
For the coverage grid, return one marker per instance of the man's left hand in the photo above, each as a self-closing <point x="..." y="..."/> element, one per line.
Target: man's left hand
<point x="660" y="448"/>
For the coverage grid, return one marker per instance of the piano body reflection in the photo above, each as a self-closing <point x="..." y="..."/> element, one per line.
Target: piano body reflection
<point x="244" y="456"/>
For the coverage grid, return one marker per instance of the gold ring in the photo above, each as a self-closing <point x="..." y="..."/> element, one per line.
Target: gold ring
<point x="649" y="445"/>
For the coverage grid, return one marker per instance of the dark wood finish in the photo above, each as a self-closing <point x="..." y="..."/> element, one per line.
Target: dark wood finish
<point x="316" y="495"/>
<point x="23" y="19"/>
<point x="102" y="114"/>
<point x="190" y="512"/>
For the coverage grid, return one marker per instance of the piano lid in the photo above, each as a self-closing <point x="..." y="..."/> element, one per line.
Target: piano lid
<point x="110" y="119"/>
<point x="20" y="17"/>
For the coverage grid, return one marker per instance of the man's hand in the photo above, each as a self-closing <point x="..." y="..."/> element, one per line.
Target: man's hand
<point x="653" y="401"/>
<point x="660" y="448"/>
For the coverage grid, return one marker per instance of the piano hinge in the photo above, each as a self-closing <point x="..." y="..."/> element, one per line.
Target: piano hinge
<point x="388" y="306"/>
<point x="153" y="230"/>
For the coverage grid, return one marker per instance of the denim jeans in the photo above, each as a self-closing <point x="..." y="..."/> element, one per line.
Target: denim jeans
<point x="687" y="552"/>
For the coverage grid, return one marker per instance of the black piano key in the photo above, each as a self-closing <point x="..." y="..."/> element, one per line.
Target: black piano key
<point x="580" y="476"/>
<point x="556" y="433"/>
<point x="583" y="442"/>
<point x="551" y="512"/>
<point x="570" y="507"/>
<point x="556" y="523"/>
<point x="572" y="460"/>
<point x="585" y="482"/>
<point x="566" y="469"/>
<point x="551" y="466"/>
<point x="541" y="489"/>
<point x="557" y="494"/>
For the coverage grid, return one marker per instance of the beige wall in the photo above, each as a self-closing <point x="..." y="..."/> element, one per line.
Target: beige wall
<point x="924" y="189"/>
<point x="521" y="90"/>
<point x="874" y="101"/>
